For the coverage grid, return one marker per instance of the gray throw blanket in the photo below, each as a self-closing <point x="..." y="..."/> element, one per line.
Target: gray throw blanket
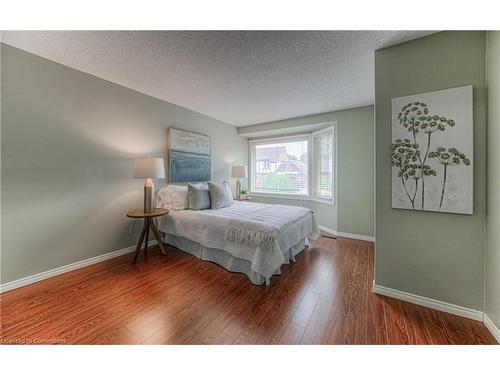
<point x="251" y="233"/>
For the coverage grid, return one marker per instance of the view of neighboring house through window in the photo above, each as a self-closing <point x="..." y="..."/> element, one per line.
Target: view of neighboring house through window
<point x="281" y="167"/>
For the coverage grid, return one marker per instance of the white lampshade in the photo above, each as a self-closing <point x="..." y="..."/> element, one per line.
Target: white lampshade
<point x="149" y="168"/>
<point x="239" y="171"/>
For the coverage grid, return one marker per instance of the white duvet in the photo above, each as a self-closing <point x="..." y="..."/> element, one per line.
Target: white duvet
<point x="209" y="227"/>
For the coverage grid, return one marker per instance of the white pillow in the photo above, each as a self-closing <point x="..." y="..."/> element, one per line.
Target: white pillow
<point x="179" y="197"/>
<point x="164" y="199"/>
<point x="220" y="195"/>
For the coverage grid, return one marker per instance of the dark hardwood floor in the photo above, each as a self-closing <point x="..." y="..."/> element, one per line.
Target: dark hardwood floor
<point x="323" y="298"/>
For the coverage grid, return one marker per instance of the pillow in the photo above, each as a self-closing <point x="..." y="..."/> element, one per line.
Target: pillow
<point x="220" y="195"/>
<point x="163" y="199"/>
<point x="198" y="196"/>
<point x="179" y="196"/>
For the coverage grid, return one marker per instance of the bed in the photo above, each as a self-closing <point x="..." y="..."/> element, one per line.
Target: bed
<point x="227" y="236"/>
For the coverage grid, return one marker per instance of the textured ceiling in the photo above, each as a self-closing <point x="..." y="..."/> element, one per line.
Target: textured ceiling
<point x="240" y="77"/>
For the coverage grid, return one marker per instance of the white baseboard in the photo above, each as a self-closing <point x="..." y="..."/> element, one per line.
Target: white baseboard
<point x="70" y="267"/>
<point x="428" y="302"/>
<point x="495" y="331"/>
<point x="328" y="230"/>
<point x="348" y="235"/>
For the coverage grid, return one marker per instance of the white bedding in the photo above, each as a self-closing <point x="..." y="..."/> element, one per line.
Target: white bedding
<point x="208" y="227"/>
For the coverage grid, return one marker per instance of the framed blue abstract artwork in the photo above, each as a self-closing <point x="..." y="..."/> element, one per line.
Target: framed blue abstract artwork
<point x="189" y="158"/>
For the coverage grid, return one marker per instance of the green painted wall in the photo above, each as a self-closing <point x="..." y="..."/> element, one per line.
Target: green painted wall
<point x="68" y="143"/>
<point x="354" y="209"/>
<point x="492" y="276"/>
<point x="355" y="150"/>
<point x="435" y="255"/>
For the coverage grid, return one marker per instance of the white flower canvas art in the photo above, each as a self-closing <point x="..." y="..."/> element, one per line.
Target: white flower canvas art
<point x="432" y="151"/>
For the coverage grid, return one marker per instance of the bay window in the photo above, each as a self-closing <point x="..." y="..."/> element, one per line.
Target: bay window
<point x="294" y="167"/>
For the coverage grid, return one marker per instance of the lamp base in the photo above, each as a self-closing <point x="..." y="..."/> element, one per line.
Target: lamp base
<point x="238" y="188"/>
<point x="149" y="193"/>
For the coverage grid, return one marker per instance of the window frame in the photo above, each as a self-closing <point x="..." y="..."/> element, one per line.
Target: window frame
<point x="312" y="171"/>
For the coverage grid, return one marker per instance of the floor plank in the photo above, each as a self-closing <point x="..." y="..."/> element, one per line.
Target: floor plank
<point x="324" y="297"/>
<point x="305" y="309"/>
<point x="222" y="339"/>
<point x="292" y="334"/>
<point x="396" y="330"/>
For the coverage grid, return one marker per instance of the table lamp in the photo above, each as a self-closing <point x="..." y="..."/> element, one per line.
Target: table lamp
<point x="238" y="171"/>
<point x="149" y="168"/>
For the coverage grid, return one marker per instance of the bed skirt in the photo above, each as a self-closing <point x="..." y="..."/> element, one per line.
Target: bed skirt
<point x="229" y="262"/>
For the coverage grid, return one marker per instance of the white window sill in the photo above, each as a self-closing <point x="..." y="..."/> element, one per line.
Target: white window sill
<point x="329" y="202"/>
<point x="293" y="197"/>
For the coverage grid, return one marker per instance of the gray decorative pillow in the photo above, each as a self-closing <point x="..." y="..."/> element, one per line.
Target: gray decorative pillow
<point x="220" y="194"/>
<point x="198" y="197"/>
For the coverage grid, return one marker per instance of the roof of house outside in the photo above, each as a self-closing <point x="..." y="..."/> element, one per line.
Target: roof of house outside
<point x="273" y="154"/>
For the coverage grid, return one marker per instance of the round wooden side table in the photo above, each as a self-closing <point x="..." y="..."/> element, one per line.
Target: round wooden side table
<point x="148" y="224"/>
